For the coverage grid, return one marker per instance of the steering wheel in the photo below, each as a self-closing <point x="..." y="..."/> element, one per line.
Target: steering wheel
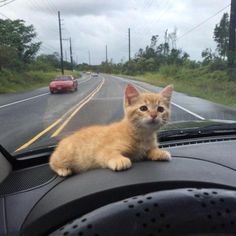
<point x="185" y="211"/>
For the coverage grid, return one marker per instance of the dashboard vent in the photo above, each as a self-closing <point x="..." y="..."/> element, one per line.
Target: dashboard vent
<point x="26" y="179"/>
<point x="196" y="141"/>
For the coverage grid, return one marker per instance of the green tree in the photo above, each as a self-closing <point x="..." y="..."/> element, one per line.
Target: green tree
<point x="8" y="57"/>
<point x="154" y="40"/>
<point x="177" y="57"/>
<point x="207" y="56"/>
<point x="50" y="59"/>
<point x="17" y="35"/>
<point x="221" y="36"/>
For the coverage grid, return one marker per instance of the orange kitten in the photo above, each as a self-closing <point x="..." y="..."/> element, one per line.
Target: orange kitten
<point x="114" y="146"/>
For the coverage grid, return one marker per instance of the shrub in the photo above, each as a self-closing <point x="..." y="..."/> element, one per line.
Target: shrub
<point x="169" y="70"/>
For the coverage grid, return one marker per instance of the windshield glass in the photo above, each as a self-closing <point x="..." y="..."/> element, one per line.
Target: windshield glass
<point x="106" y="45"/>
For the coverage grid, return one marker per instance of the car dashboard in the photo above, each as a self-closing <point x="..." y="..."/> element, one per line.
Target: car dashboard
<point x="35" y="201"/>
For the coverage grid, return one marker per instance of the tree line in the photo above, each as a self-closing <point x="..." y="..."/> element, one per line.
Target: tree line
<point x="156" y="54"/>
<point x="19" y="49"/>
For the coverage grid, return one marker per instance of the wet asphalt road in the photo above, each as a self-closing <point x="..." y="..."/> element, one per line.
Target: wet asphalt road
<point x="37" y="118"/>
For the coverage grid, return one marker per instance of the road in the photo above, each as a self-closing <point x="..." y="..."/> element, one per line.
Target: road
<point x="37" y="118"/>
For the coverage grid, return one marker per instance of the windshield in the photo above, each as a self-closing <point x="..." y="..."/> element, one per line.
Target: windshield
<point x="106" y="45"/>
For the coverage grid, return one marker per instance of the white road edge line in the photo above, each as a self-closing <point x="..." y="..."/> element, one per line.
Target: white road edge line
<point x="190" y="112"/>
<point x="27" y="99"/>
<point x="180" y="107"/>
<point x="23" y="100"/>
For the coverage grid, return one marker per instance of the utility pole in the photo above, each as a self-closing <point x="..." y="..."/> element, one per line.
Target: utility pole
<point x="71" y="56"/>
<point x="65" y="55"/>
<point x="232" y="36"/>
<point x="89" y="57"/>
<point x="59" y="20"/>
<point x="106" y="55"/>
<point x="129" y="41"/>
<point x="166" y="45"/>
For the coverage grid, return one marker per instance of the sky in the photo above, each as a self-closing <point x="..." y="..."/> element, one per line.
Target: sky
<point x="93" y="24"/>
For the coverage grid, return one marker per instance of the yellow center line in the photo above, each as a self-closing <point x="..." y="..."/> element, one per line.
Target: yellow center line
<point x="81" y="104"/>
<point x="38" y="135"/>
<point x="84" y="102"/>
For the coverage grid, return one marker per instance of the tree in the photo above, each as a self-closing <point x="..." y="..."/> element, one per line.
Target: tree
<point x="221" y="36"/>
<point x="8" y="57"/>
<point x="15" y="34"/>
<point x="154" y="40"/>
<point x="207" y="56"/>
<point x="177" y="57"/>
<point x="50" y="59"/>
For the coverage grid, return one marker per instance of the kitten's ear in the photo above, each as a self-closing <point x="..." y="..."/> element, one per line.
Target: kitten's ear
<point x="167" y="92"/>
<point x="131" y="94"/>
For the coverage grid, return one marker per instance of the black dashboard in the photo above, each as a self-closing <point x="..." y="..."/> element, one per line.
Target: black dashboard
<point x="34" y="201"/>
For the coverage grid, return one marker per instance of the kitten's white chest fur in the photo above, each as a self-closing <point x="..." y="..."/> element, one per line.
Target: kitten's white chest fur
<point x="144" y="145"/>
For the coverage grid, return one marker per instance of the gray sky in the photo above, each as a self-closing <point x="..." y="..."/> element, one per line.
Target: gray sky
<point x="94" y="23"/>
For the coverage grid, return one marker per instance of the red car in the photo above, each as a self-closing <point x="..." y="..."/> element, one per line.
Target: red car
<point x="63" y="83"/>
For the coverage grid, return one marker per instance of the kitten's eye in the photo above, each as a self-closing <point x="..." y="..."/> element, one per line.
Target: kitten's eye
<point x="143" y="108"/>
<point x="160" y="109"/>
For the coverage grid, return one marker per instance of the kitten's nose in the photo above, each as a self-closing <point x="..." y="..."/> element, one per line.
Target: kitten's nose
<point x="153" y="115"/>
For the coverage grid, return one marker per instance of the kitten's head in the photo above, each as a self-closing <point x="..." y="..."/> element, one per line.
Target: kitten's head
<point x="147" y="110"/>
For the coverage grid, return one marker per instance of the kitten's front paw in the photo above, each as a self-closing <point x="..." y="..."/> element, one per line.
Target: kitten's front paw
<point x="159" y="155"/>
<point x="165" y="156"/>
<point x="64" y="172"/>
<point x="120" y="163"/>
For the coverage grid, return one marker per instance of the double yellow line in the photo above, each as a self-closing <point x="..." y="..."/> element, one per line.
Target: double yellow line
<point x="81" y="104"/>
<point x="74" y="110"/>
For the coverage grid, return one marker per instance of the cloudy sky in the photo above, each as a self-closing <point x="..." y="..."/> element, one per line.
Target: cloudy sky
<point x="94" y="23"/>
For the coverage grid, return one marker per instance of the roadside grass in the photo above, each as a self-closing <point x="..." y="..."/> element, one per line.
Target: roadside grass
<point x="214" y="86"/>
<point x="18" y="82"/>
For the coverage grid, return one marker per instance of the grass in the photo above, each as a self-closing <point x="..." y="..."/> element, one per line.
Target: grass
<point x="214" y="86"/>
<point x="18" y="82"/>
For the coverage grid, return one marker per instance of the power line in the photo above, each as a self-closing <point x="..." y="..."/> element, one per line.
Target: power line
<point x="35" y="4"/>
<point x="203" y="22"/>
<point x="47" y="46"/>
<point x="54" y="8"/>
<point x="6" y="3"/>
<point x="54" y="11"/>
<point x="44" y="45"/>
<point x="53" y="5"/>
<point x="4" y="16"/>
<point x="146" y="30"/>
<point x="165" y="9"/>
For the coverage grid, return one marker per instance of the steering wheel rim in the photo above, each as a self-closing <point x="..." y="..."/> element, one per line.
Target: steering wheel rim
<point x="171" y="212"/>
